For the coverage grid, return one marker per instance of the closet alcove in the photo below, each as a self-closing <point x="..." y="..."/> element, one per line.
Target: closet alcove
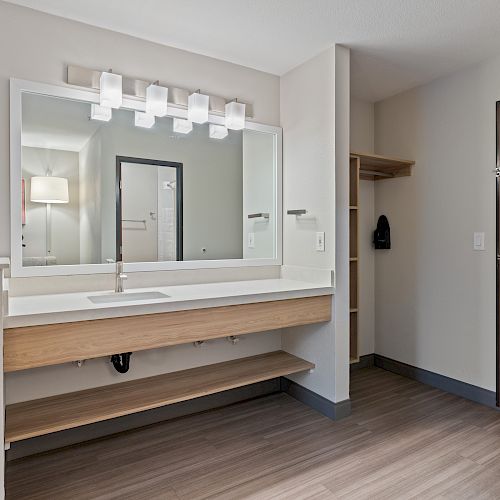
<point x="369" y="167"/>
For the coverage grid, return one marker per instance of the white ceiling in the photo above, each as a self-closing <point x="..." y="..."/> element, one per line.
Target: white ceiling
<point x="397" y="44"/>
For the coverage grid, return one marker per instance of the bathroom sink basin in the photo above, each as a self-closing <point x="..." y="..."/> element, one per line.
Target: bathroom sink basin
<point x="126" y="297"/>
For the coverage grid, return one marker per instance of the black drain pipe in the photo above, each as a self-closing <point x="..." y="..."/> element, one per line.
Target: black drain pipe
<point x="121" y="362"/>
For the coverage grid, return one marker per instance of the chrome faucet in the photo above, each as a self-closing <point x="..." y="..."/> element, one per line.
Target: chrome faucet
<point x="120" y="277"/>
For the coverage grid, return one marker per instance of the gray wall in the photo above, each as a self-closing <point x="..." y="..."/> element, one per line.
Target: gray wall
<point x="435" y="295"/>
<point x="55" y="42"/>
<point x="212" y="177"/>
<point x="362" y="139"/>
<point x="90" y="200"/>
<point x="65" y="217"/>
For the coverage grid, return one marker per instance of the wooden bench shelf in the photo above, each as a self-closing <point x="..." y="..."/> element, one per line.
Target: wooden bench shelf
<point x="44" y="416"/>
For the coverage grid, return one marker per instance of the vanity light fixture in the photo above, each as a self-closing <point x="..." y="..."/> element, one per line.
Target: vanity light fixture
<point x="235" y="115"/>
<point x="144" y="120"/>
<point x="111" y="90"/>
<point x="198" y="107"/>
<point x="156" y="100"/>
<point x="100" y="113"/>
<point x="217" y="131"/>
<point x="182" y="126"/>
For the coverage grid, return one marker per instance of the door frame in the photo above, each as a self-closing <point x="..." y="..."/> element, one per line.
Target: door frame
<point x="497" y="255"/>
<point x="179" y="200"/>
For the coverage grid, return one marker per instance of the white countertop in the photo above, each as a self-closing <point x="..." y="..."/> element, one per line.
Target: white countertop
<point x="63" y="308"/>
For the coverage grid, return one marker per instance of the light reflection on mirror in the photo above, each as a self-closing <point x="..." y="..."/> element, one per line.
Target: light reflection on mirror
<point x="195" y="197"/>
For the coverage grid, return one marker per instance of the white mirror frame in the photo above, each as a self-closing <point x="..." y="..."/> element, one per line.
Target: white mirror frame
<point x="17" y="88"/>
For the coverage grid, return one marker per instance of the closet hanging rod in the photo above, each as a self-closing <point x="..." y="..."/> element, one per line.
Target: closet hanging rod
<point x="375" y="173"/>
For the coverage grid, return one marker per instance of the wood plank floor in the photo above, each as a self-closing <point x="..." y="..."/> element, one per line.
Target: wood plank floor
<point x="404" y="440"/>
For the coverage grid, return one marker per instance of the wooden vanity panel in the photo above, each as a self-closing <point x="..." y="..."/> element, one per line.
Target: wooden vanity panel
<point x="43" y="345"/>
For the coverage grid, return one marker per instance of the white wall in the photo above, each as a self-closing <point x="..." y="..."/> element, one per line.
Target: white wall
<point x="90" y="201"/>
<point x="435" y="304"/>
<point x="309" y="161"/>
<point x="65" y="225"/>
<point x="362" y="139"/>
<point x="42" y="56"/>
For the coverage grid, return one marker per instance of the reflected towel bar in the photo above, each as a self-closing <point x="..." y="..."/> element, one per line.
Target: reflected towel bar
<point x="264" y="215"/>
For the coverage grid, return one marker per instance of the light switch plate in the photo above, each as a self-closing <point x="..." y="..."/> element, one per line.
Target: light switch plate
<point x="320" y="241"/>
<point x="478" y="241"/>
<point x="251" y="240"/>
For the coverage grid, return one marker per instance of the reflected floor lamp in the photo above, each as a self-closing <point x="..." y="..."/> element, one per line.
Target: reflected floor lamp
<point x="49" y="190"/>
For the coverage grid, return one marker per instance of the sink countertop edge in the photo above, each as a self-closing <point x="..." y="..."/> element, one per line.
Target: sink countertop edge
<point x="198" y="300"/>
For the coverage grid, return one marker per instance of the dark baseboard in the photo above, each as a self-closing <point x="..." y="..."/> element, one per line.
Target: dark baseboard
<point x="451" y="385"/>
<point x="332" y="410"/>
<point x="98" y="430"/>
<point x="366" y="361"/>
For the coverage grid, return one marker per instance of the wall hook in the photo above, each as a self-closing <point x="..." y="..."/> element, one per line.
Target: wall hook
<point x="233" y="339"/>
<point x="199" y="343"/>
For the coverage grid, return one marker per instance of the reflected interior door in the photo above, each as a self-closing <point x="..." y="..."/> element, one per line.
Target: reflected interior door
<point x="139" y="212"/>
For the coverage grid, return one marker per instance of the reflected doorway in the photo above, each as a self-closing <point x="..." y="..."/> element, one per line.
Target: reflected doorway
<point x="148" y="210"/>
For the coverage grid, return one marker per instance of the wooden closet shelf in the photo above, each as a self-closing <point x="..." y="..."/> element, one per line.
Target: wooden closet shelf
<point x="66" y="411"/>
<point x="386" y="165"/>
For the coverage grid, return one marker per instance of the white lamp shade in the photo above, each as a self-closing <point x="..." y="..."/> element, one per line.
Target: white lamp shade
<point x="156" y="100"/>
<point x="217" y="131"/>
<point x="198" y="108"/>
<point x="235" y="115"/>
<point x="49" y="190"/>
<point x="182" y="126"/>
<point x="111" y="90"/>
<point x="100" y="113"/>
<point x="144" y="120"/>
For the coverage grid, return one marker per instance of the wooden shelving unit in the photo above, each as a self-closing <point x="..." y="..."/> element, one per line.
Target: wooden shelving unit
<point x="354" y="166"/>
<point x="374" y="168"/>
<point x="383" y="167"/>
<point x="57" y="413"/>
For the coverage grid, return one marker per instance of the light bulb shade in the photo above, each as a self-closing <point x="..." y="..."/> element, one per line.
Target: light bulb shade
<point x="144" y="120"/>
<point x="100" y="113"/>
<point x="49" y="190"/>
<point x="235" y="115"/>
<point x="198" y="108"/>
<point x="182" y="126"/>
<point x="111" y="90"/>
<point x="217" y="131"/>
<point x="156" y="100"/>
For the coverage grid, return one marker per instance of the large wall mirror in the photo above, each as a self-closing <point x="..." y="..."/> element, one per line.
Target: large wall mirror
<point x="86" y="192"/>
